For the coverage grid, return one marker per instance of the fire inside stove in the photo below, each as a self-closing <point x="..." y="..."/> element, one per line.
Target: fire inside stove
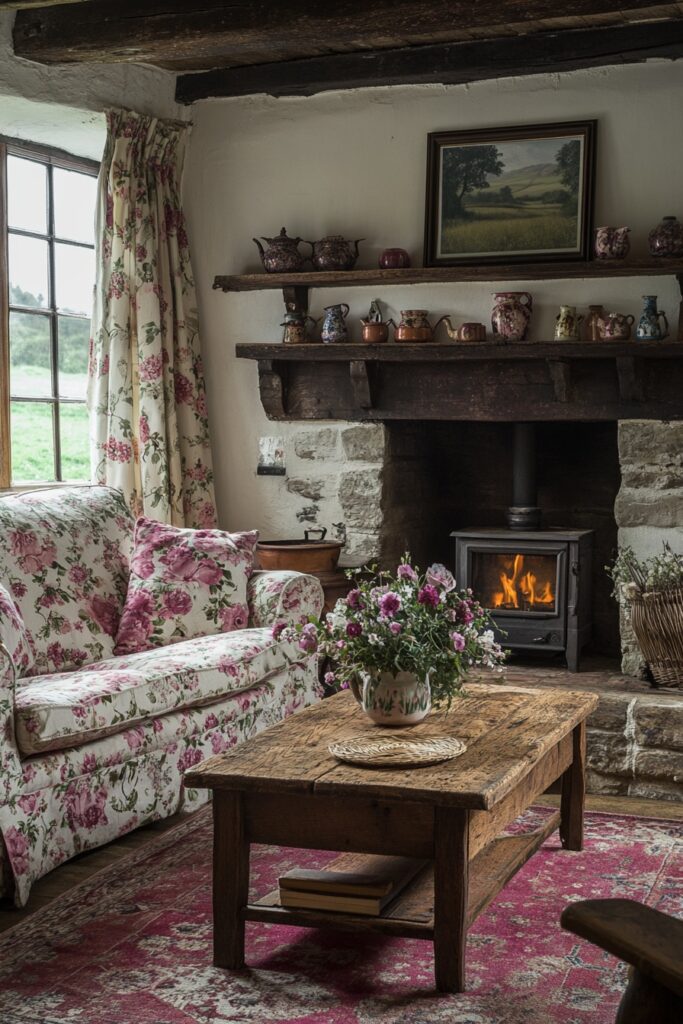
<point x="515" y="582"/>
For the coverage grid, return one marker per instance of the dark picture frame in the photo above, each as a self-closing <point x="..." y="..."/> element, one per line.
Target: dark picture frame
<point x="519" y="194"/>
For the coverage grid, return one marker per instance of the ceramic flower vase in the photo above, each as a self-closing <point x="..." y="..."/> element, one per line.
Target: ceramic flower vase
<point x="511" y="315"/>
<point x="649" y="327"/>
<point x="393" y="700"/>
<point x="667" y="238"/>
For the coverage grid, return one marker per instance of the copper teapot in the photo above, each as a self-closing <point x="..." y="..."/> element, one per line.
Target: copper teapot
<point x="334" y="253"/>
<point x="415" y="326"/>
<point x="282" y="255"/>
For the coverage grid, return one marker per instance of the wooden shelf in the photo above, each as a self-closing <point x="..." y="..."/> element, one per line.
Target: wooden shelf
<point x="411" y="914"/>
<point x="549" y="270"/>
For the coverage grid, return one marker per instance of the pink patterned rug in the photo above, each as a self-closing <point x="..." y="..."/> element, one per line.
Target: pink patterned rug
<point x="132" y="945"/>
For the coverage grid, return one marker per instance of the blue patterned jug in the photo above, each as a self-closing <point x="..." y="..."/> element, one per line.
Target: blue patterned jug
<point x="334" y="324"/>
<point x="649" y="328"/>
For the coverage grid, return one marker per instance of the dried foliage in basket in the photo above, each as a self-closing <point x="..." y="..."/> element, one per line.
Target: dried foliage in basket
<point x="653" y="589"/>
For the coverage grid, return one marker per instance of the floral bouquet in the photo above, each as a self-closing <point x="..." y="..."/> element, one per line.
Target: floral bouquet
<point x="404" y="622"/>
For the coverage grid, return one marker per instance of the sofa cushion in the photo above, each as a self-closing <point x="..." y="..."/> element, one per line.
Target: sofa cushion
<point x="67" y="709"/>
<point x="14" y="635"/>
<point x="183" y="584"/>
<point x="64" y="556"/>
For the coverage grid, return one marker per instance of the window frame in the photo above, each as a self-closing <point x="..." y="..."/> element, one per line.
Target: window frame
<point x="52" y="158"/>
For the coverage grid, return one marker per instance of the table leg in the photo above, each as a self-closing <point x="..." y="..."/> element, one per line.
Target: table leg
<point x="230" y="879"/>
<point x="451" y="863"/>
<point x="573" y="793"/>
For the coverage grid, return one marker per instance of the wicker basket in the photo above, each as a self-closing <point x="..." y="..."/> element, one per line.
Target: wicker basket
<point x="657" y="621"/>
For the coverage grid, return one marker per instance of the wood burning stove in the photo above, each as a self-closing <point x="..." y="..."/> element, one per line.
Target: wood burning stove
<point x="535" y="583"/>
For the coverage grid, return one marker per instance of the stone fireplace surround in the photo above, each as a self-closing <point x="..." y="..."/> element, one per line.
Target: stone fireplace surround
<point x="391" y="487"/>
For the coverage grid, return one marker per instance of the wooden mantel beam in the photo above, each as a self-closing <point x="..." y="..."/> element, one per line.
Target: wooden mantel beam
<point x="219" y="33"/>
<point x="444" y="63"/>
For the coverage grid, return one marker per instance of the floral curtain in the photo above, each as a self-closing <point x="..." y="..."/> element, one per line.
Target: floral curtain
<point x="148" y="420"/>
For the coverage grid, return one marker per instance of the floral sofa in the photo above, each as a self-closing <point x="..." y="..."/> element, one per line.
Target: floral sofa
<point x="93" y="745"/>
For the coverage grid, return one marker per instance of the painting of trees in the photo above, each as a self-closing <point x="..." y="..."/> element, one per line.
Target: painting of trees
<point x="464" y="169"/>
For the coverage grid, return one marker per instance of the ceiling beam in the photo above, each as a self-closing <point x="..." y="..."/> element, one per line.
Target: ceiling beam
<point x="218" y="33"/>
<point x="444" y="63"/>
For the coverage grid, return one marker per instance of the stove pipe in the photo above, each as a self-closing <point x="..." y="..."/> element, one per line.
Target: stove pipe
<point x="524" y="513"/>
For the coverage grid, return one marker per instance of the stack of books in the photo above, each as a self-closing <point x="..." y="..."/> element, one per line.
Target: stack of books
<point x="354" y="884"/>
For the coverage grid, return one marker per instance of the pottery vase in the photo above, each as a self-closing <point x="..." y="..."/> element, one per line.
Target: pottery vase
<point x="617" y="327"/>
<point x="295" y="332"/>
<point x="511" y="315"/>
<point x="394" y="259"/>
<point x="593" y="326"/>
<point x="667" y="238"/>
<point x="649" y="327"/>
<point x="393" y="700"/>
<point x="334" y="324"/>
<point x="567" y="324"/>
<point x="611" y="243"/>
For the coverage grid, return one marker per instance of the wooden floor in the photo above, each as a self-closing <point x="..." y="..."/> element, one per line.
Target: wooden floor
<point x="80" y="868"/>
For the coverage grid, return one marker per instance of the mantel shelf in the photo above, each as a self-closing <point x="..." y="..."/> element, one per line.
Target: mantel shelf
<point x="448" y="351"/>
<point x="461" y="274"/>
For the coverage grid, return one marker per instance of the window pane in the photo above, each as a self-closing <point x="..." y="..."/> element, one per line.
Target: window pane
<point x="27" y="271"/>
<point x="29" y="355"/>
<point x="74" y="202"/>
<point x="73" y="423"/>
<point x="32" y="442"/>
<point x="74" y="278"/>
<point x="26" y="195"/>
<point x="73" y="341"/>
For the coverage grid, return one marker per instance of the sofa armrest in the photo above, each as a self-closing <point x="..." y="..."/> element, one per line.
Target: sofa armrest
<point x="283" y="596"/>
<point x="10" y="762"/>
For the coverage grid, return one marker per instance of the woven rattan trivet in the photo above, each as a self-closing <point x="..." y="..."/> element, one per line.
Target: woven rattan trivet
<point x="395" y="752"/>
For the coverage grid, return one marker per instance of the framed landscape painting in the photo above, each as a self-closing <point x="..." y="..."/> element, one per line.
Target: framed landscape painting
<point x="501" y="195"/>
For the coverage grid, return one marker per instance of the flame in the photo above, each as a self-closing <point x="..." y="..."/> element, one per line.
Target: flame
<point x="525" y="585"/>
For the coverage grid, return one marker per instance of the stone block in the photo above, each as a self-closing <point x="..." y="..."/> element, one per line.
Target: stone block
<point x="657" y="478"/>
<point x="660" y="764"/>
<point x="316" y="444"/>
<point x="364" y="442"/>
<point x="660" y="725"/>
<point x="649" y="507"/>
<point x="608" y="753"/>
<point x="651" y="442"/>
<point x="610" y="714"/>
<point x="360" y="548"/>
<point x="606" y="785"/>
<point x="359" y="495"/>
<point x="656" y="789"/>
<point x="307" y="488"/>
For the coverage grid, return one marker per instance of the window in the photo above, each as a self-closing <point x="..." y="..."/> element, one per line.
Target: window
<point x="47" y="273"/>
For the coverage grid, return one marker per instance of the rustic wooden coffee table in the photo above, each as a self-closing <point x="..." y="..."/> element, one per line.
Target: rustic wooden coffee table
<point x="285" y="788"/>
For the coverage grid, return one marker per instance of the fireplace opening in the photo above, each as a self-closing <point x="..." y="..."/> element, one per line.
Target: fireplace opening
<point x="509" y="581"/>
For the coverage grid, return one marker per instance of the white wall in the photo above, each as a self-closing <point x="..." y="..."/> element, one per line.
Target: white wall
<point x="61" y="105"/>
<point x="354" y="163"/>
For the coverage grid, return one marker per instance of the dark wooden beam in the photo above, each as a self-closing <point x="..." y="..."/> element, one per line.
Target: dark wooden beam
<point x="218" y="33"/>
<point x="444" y="63"/>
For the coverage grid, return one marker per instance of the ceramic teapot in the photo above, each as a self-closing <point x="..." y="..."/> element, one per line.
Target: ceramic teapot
<point x="334" y="253"/>
<point x="617" y="327"/>
<point x="466" y="332"/>
<point x="334" y="324"/>
<point x="282" y="255"/>
<point x="415" y="326"/>
<point x="649" y="328"/>
<point x="611" y="243"/>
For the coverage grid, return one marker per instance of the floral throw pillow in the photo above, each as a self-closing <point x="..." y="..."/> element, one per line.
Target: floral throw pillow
<point x="14" y="635"/>
<point x="184" y="583"/>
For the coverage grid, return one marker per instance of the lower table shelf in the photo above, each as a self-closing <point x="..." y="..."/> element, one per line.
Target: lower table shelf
<point x="411" y="914"/>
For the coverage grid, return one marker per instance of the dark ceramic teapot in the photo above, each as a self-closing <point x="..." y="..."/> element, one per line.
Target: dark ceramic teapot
<point x="334" y="253"/>
<point x="282" y="255"/>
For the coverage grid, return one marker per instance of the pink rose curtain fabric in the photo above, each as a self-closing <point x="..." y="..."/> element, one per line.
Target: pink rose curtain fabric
<point x="146" y="395"/>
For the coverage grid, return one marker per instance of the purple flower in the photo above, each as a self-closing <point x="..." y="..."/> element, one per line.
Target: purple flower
<point x="458" y="641"/>
<point x="353" y="629"/>
<point x="395" y="627"/>
<point x="353" y="598"/>
<point x="406" y="572"/>
<point x="439" y="576"/>
<point x="308" y="641"/>
<point x="329" y="678"/>
<point x="389" y="604"/>
<point x="428" y="595"/>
